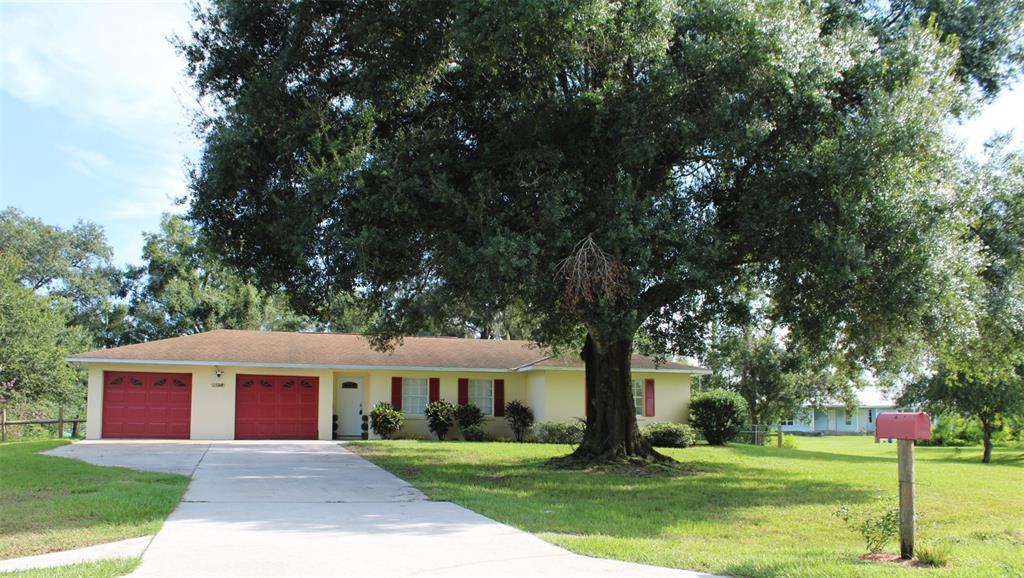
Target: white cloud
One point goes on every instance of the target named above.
(154, 195)
(86, 162)
(109, 63)
(109, 66)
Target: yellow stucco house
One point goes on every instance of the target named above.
(230, 384)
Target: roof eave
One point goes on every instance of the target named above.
(99, 360)
(526, 368)
(684, 370)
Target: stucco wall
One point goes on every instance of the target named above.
(416, 426)
(213, 407)
(552, 394)
(562, 397)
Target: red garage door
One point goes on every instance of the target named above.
(275, 407)
(146, 405)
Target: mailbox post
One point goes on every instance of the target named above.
(905, 427)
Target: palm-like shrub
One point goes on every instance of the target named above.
(520, 419)
(440, 417)
(385, 420)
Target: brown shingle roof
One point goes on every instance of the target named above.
(225, 346)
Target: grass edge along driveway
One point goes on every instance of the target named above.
(51, 504)
(99, 569)
(745, 510)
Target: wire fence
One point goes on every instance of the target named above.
(759, 434)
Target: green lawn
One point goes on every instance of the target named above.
(48, 504)
(745, 511)
(99, 569)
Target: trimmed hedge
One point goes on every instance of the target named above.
(560, 432)
(718, 415)
(669, 435)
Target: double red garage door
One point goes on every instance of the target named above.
(159, 406)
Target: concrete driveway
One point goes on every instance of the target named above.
(317, 509)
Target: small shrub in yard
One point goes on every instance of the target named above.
(788, 441)
(936, 555)
(469, 417)
(668, 435)
(473, 433)
(385, 420)
(560, 432)
(440, 417)
(718, 415)
(520, 419)
(879, 526)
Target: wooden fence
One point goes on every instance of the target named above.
(60, 422)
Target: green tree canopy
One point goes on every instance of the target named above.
(776, 377)
(979, 371)
(35, 337)
(182, 289)
(74, 264)
(620, 169)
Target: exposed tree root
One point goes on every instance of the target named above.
(653, 464)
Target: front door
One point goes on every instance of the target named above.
(349, 405)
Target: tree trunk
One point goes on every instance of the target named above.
(986, 436)
(612, 433)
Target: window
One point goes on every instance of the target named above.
(414, 395)
(638, 396)
(787, 421)
(871, 415)
(481, 394)
(849, 417)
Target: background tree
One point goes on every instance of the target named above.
(774, 377)
(182, 289)
(619, 169)
(979, 371)
(35, 337)
(74, 264)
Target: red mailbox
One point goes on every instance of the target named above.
(913, 425)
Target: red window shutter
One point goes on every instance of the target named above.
(435, 388)
(499, 397)
(463, 391)
(649, 397)
(396, 393)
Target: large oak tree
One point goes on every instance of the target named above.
(617, 169)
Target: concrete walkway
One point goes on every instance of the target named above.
(317, 509)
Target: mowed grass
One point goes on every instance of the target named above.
(745, 510)
(48, 504)
(99, 569)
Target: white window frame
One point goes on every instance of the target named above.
(788, 421)
(871, 415)
(485, 403)
(847, 417)
(639, 398)
(410, 398)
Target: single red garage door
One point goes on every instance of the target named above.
(276, 407)
(147, 405)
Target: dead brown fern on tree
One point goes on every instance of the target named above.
(589, 275)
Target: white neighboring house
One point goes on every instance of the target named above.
(834, 419)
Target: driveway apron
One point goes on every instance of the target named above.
(317, 509)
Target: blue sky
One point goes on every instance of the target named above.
(94, 110)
